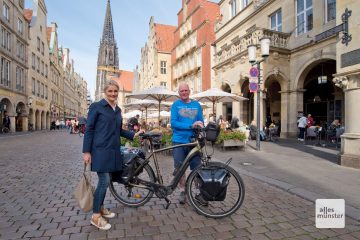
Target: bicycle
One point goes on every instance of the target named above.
(138, 188)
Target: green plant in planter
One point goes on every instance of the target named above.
(230, 135)
(166, 139)
(123, 141)
(134, 143)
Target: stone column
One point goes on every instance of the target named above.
(295, 105)
(25, 122)
(218, 109)
(284, 114)
(350, 140)
(236, 110)
(12, 124)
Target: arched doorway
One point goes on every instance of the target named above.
(322, 99)
(247, 114)
(227, 107)
(272, 101)
(6, 106)
(19, 117)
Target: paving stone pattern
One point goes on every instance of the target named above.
(39, 172)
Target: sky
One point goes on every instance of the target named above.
(80, 24)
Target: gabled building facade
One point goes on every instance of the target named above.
(56, 74)
(155, 62)
(39, 66)
(191, 59)
(14, 36)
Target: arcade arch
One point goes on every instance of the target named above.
(321, 98)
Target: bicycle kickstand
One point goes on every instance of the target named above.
(168, 202)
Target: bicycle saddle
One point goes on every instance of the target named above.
(150, 135)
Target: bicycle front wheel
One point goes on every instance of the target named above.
(216, 209)
(5, 130)
(133, 195)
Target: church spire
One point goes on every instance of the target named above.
(108, 60)
(108, 30)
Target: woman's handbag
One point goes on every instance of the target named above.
(84, 192)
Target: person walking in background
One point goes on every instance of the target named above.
(6, 120)
(57, 124)
(101, 148)
(186, 114)
(310, 120)
(302, 123)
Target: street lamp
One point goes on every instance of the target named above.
(265, 49)
(30, 101)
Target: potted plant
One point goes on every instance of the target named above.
(231, 138)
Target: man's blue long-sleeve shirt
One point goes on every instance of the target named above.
(183, 115)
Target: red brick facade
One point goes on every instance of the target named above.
(203, 16)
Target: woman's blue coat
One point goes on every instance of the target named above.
(102, 137)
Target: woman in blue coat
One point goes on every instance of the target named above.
(101, 147)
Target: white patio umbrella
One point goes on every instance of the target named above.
(216, 95)
(162, 114)
(141, 104)
(131, 114)
(159, 94)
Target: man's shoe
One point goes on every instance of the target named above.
(106, 213)
(200, 199)
(182, 198)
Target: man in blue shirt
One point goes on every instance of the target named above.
(185, 115)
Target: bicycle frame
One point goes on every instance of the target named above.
(180, 172)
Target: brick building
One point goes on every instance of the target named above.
(191, 60)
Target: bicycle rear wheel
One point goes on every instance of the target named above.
(216, 209)
(5, 130)
(134, 196)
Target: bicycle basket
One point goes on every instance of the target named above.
(212, 131)
(213, 182)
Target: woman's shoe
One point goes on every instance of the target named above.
(106, 213)
(100, 223)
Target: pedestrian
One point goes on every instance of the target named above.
(185, 115)
(302, 123)
(6, 120)
(57, 124)
(310, 120)
(101, 148)
(221, 122)
(133, 123)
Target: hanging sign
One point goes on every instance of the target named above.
(254, 72)
(253, 87)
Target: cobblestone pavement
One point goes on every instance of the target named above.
(39, 172)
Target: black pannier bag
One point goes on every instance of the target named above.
(212, 131)
(130, 163)
(213, 182)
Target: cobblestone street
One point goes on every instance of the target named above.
(39, 172)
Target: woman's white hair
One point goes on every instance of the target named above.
(111, 83)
